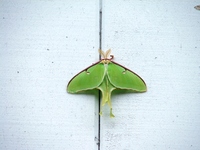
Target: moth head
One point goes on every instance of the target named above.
(106, 54)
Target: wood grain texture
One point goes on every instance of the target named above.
(43, 45)
(160, 41)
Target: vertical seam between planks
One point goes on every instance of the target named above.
(100, 46)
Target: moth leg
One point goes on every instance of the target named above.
(100, 113)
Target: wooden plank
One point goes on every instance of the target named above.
(43, 45)
(160, 41)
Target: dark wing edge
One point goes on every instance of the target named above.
(83, 71)
(132, 72)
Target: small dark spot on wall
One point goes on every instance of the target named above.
(17, 71)
(47, 49)
(197, 7)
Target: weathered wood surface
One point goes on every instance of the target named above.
(161, 42)
(43, 44)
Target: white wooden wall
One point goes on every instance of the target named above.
(43, 44)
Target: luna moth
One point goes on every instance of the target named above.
(106, 76)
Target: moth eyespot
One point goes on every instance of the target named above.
(124, 72)
(87, 72)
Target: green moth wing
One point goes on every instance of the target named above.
(106, 75)
(87, 79)
(123, 78)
